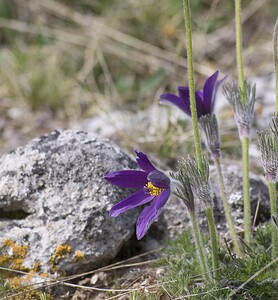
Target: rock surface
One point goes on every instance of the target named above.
(54, 199)
(234, 187)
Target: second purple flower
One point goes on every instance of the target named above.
(205, 98)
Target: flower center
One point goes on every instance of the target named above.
(153, 190)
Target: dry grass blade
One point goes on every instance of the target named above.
(55, 281)
(112, 266)
(94, 25)
(200, 294)
(66, 36)
(228, 30)
(108, 46)
(115, 290)
(52, 282)
(257, 209)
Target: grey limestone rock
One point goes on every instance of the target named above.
(52, 194)
(234, 184)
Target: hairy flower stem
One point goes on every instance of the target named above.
(190, 70)
(214, 243)
(199, 246)
(245, 140)
(273, 209)
(246, 189)
(226, 207)
(239, 47)
(275, 57)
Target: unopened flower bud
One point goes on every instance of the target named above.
(269, 153)
(210, 127)
(200, 180)
(182, 187)
(243, 105)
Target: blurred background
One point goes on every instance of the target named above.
(100, 66)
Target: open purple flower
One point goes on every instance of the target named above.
(205, 98)
(153, 185)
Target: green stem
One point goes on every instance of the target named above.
(245, 140)
(226, 207)
(190, 70)
(246, 189)
(199, 246)
(275, 57)
(239, 48)
(273, 209)
(214, 243)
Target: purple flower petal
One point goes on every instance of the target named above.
(210, 92)
(183, 92)
(143, 162)
(200, 94)
(159, 179)
(127, 178)
(199, 104)
(205, 98)
(151, 213)
(219, 82)
(176, 101)
(217, 85)
(138, 198)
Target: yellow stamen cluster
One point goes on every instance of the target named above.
(153, 190)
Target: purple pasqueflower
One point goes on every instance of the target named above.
(153, 185)
(205, 98)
